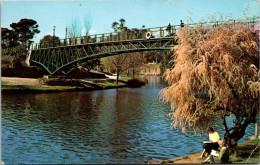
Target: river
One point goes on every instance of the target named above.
(126, 125)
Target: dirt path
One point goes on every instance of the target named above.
(20, 81)
(192, 158)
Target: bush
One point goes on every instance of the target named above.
(136, 82)
(28, 72)
(13, 56)
(60, 82)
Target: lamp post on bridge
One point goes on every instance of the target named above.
(66, 29)
(53, 31)
(53, 35)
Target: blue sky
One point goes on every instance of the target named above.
(102, 13)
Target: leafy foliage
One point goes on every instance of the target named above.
(165, 63)
(16, 41)
(90, 65)
(133, 61)
(215, 75)
(122, 62)
(119, 27)
(49, 38)
(115, 64)
(8, 38)
(25, 29)
(13, 56)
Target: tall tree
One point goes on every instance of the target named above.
(25, 30)
(119, 27)
(122, 23)
(215, 77)
(133, 61)
(16, 40)
(5, 37)
(79, 26)
(115, 63)
(87, 24)
(115, 25)
(48, 40)
(74, 29)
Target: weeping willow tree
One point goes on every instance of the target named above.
(216, 75)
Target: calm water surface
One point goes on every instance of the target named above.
(127, 125)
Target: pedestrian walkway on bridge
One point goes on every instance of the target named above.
(62, 56)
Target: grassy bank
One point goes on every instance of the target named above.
(10, 88)
(63, 85)
(244, 152)
(248, 152)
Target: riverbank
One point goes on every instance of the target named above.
(16, 84)
(248, 152)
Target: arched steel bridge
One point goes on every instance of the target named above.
(61, 57)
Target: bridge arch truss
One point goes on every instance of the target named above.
(63, 59)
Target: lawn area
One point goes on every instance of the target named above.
(58, 84)
(109, 84)
(37, 88)
(244, 152)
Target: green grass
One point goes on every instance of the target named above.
(108, 84)
(3, 83)
(61, 85)
(38, 88)
(95, 72)
(56, 88)
(243, 152)
(125, 78)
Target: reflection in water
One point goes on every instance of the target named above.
(127, 125)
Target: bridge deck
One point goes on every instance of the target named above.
(63, 55)
(106, 42)
(133, 34)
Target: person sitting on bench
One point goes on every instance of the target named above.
(219, 157)
(212, 143)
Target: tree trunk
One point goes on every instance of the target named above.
(117, 77)
(256, 130)
(231, 138)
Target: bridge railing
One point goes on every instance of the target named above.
(132, 34)
(135, 34)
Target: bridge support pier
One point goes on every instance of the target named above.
(27, 60)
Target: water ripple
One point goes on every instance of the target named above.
(111, 126)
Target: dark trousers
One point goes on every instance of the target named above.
(210, 146)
